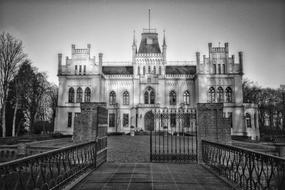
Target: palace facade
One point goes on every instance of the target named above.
(133, 89)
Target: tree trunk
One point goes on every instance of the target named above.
(4, 118)
(14, 118)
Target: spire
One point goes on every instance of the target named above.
(134, 39)
(164, 42)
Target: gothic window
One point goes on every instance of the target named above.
(224, 68)
(69, 119)
(112, 98)
(214, 68)
(79, 93)
(75, 69)
(139, 70)
(211, 95)
(220, 94)
(126, 98)
(248, 120)
(172, 120)
(172, 98)
(87, 95)
(229, 94)
(148, 69)
(149, 96)
(230, 116)
(71, 95)
(159, 70)
(186, 97)
(154, 70)
(125, 120)
(84, 69)
(80, 69)
(219, 68)
(144, 70)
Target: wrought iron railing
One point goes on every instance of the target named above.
(246, 168)
(52, 169)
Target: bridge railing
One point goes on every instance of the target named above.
(246, 168)
(52, 169)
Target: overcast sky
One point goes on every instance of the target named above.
(256, 27)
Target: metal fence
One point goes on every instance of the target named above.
(52, 169)
(174, 136)
(246, 168)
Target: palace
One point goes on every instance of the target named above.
(132, 89)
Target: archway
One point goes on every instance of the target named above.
(149, 121)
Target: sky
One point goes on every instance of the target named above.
(256, 27)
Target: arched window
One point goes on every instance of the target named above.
(126, 98)
(144, 70)
(220, 94)
(87, 95)
(159, 70)
(211, 95)
(148, 69)
(248, 120)
(79, 93)
(186, 97)
(229, 94)
(71, 95)
(149, 96)
(154, 70)
(172, 98)
(112, 98)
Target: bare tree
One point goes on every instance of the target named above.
(11, 54)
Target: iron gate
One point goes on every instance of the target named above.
(174, 137)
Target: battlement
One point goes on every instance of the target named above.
(85, 51)
(218, 49)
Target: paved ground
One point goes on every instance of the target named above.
(151, 176)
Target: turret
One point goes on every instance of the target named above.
(240, 56)
(89, 47)
(72, 49)
(134, 48)
(198, 61)
(164, 46)
(210, 47)
(100, 62)
(59, 64)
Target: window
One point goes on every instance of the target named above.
(75, 69)
(80, 69)
(248, 120)
(229, 94)
(125, 120)
(214, 68)
(148, 80)
(172, 120)
(84, 69)
(79, 95)
(126, 98)
(211, 95)
(87, 95)
(255, 122)
(219, 68)
(172, 98)
(186, 97)
(71, 95)
(144, 70)
(139, 72)
(159, 70)
(224, 68)
(148, 69)
(230, 116)
(154, 70)
(111, 120)
(149, 96)
(69, 119)
(112, 98)
(220, 94)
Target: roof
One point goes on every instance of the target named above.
(117, 70)
(176, 70)
(149, 43)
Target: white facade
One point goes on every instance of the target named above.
(132, 89)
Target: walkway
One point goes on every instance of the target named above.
(151, 176)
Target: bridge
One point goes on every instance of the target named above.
(169, 163)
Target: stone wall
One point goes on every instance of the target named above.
(93, 116)
(212, 126)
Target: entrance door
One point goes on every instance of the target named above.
(174, 139)
(149, 121)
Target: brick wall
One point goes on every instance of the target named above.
(212, 126)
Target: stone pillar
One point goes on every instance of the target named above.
(212, 126)
(86, 124)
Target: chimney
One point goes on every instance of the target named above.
(240, 56)
(198, 61)
(100, 62)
